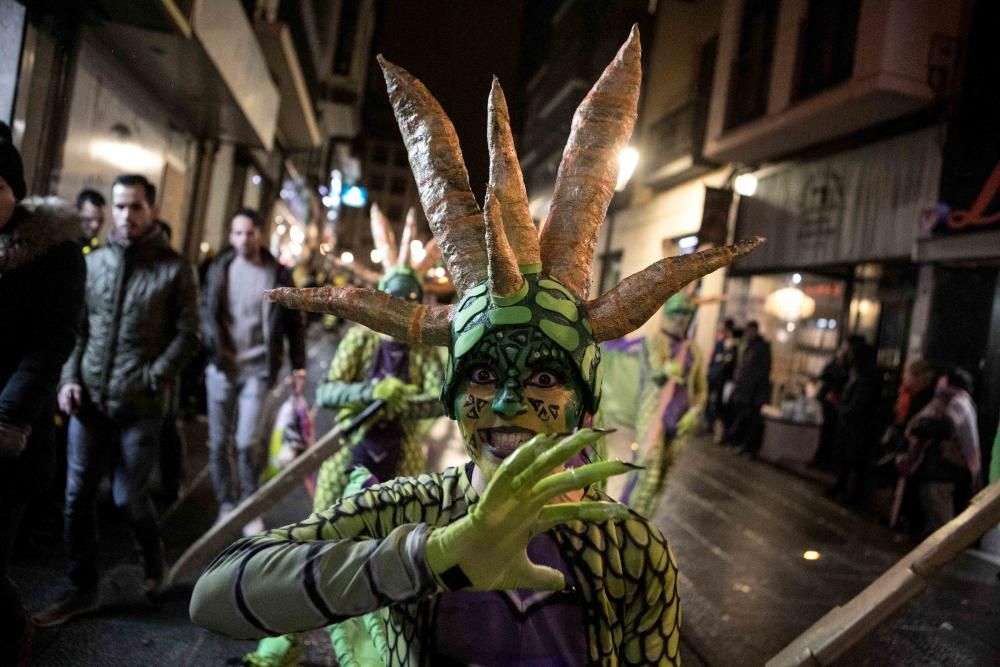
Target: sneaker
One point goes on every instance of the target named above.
(74, 602)
(281, 651)
(254, 527)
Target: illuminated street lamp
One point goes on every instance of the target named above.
(745, 185)
(628, 158)
(347, 257)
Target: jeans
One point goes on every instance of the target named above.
(133, 448)
(234, 408)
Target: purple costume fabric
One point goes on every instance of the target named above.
(382, 444)
(520, 628)
(680, 402)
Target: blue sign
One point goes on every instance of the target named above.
(354, 196)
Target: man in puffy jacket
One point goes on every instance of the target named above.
(140, 327)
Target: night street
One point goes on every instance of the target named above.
(738, 528)
(671, 327)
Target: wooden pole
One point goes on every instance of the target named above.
(228, 530)
(843, 627)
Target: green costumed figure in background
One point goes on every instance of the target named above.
(515, 557)
(368, 366)
(669, 406)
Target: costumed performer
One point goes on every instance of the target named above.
(510, 559)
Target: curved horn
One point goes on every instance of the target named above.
(409, 230)
(405, 321)
(436, 161)
(626, 307)
(508, 182)
(585, 183)
(505, 277)
(383, 237)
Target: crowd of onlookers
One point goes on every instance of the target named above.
(928, 454)
(103, 328)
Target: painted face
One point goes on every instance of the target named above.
(7, 202)
(132, 214)
(514, 383)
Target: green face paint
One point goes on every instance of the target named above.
(542, 306)
(515, 383)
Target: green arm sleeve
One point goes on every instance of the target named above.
(342, 388)
(338, 564)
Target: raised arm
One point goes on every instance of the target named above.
(361, 554)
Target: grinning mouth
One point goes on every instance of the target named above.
(502, 442)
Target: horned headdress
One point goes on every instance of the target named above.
(507, 275)
(401, 278)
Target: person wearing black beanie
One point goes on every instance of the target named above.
(41, 296)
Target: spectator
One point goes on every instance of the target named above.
(42, 288)
(751, 390)
(832, 380)
(141, 326)
(244, 338)
(90, 205)
(720, 371)
(943, 447)
(857, 423)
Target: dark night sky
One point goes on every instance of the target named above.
(455, 47)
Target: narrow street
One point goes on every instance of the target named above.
(738, 528)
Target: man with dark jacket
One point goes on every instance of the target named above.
(41, 292)
(245, 340)
(140, 327)
(751, 390)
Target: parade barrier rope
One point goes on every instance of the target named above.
(843, 627)
(224, 533)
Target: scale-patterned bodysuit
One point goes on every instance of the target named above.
(350, 374)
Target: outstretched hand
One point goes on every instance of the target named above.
(487, 548)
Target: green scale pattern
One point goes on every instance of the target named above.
(542, 303)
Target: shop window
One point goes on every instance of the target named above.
(750, 72)
(826, 46)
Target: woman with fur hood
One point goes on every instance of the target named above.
(41, 295)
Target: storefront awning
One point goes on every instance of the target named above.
(970, 247)
(297, 126)
(212, 79)
(859, 205)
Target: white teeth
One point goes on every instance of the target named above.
(509, 440)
